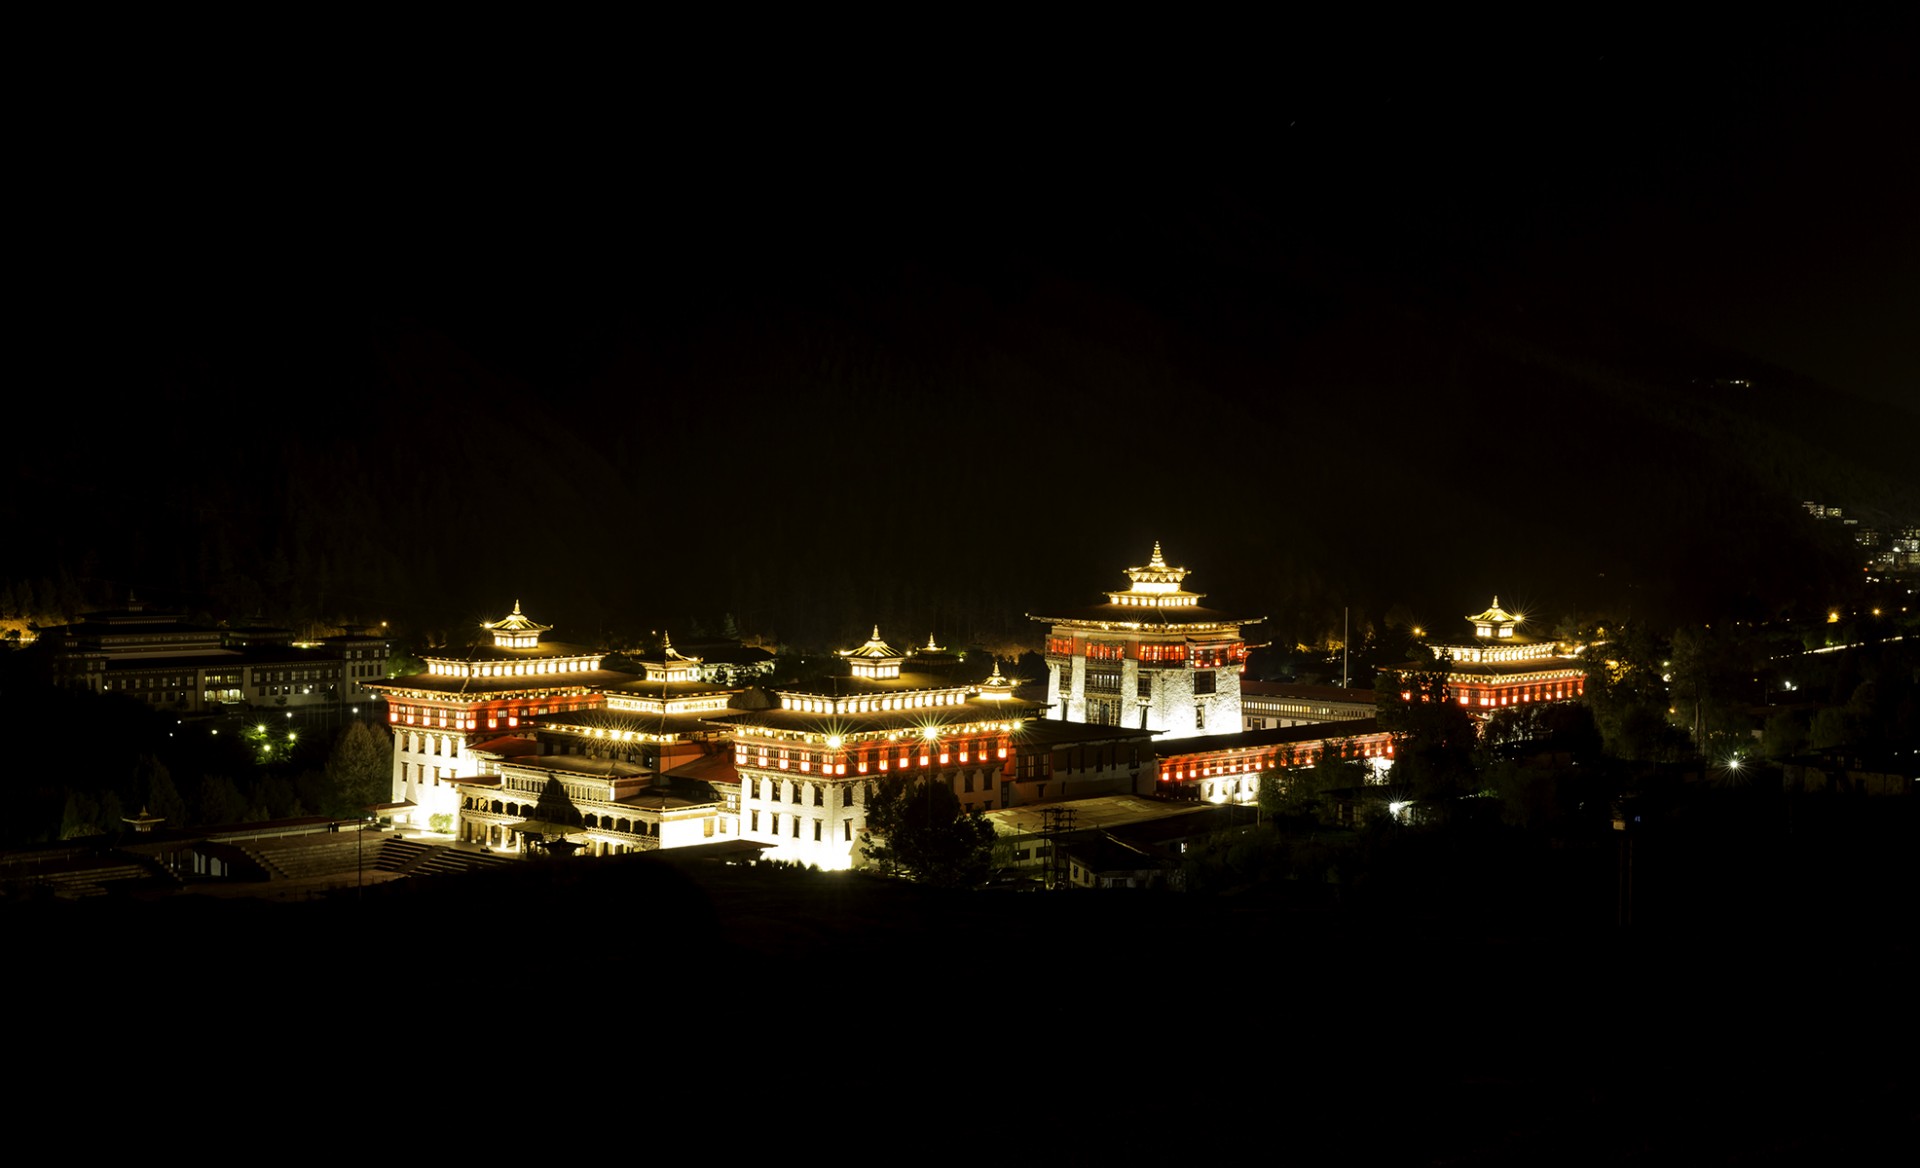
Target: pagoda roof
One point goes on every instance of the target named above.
(716, 767)
(515, 622)
(1171, 618)
(1495, 615)
(668, 657)
(623, 721)
(1052, 733)
(883, 722)
(580, 764)
(730, 653)
(476, 688)
(542, 651)
(506, 746)
(875, 649)
(1552, 664)
(641, 687)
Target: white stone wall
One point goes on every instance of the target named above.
(833, 851)
(1067, 688)
(416, 752)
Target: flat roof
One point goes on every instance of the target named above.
(1310, 693)
(1101, 812)
(1273, 736)
(1054, 732)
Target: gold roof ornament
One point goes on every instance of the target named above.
(874, 649)
(996, 688)
(515, 630)
(875, 659)
(515, 622)
(1156, 584)
(1495, 622)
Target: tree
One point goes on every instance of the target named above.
(1296, 795)
(918, 829)
(1433, 738)
(220, 801)
(158, 795)
(359, 772)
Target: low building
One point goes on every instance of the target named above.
(1226, 768)
(169, 663)
(1266, 704)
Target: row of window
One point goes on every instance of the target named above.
(442, 743)
(769, 790)
(846, 826)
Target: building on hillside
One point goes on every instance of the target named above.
(642, 771)
(365, 653)
(806, 761)
(476, 695)
(1150, 658)
(1225, 768)
(171, 664)
(1266, 704)
(1499, 666)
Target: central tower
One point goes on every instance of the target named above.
(1151, 658)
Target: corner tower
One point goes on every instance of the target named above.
(1151, 658)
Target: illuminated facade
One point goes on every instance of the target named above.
(1150, 658)
(458, 702)
(1267, 704)
(1226, 768)
(162, 660)
(643, 771)
(1500, 666)
(804, 764)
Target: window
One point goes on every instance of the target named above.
(796, 827)
(816, 831)
(1203, 682)
(969, 782)
(846, 796)
(848, 825)
(1199, 717)
(796, 792)
(986, 780)
(1143, 686)
(776, 823)
(755, 825)
(819, 795)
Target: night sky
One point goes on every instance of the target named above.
(1322, 311)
